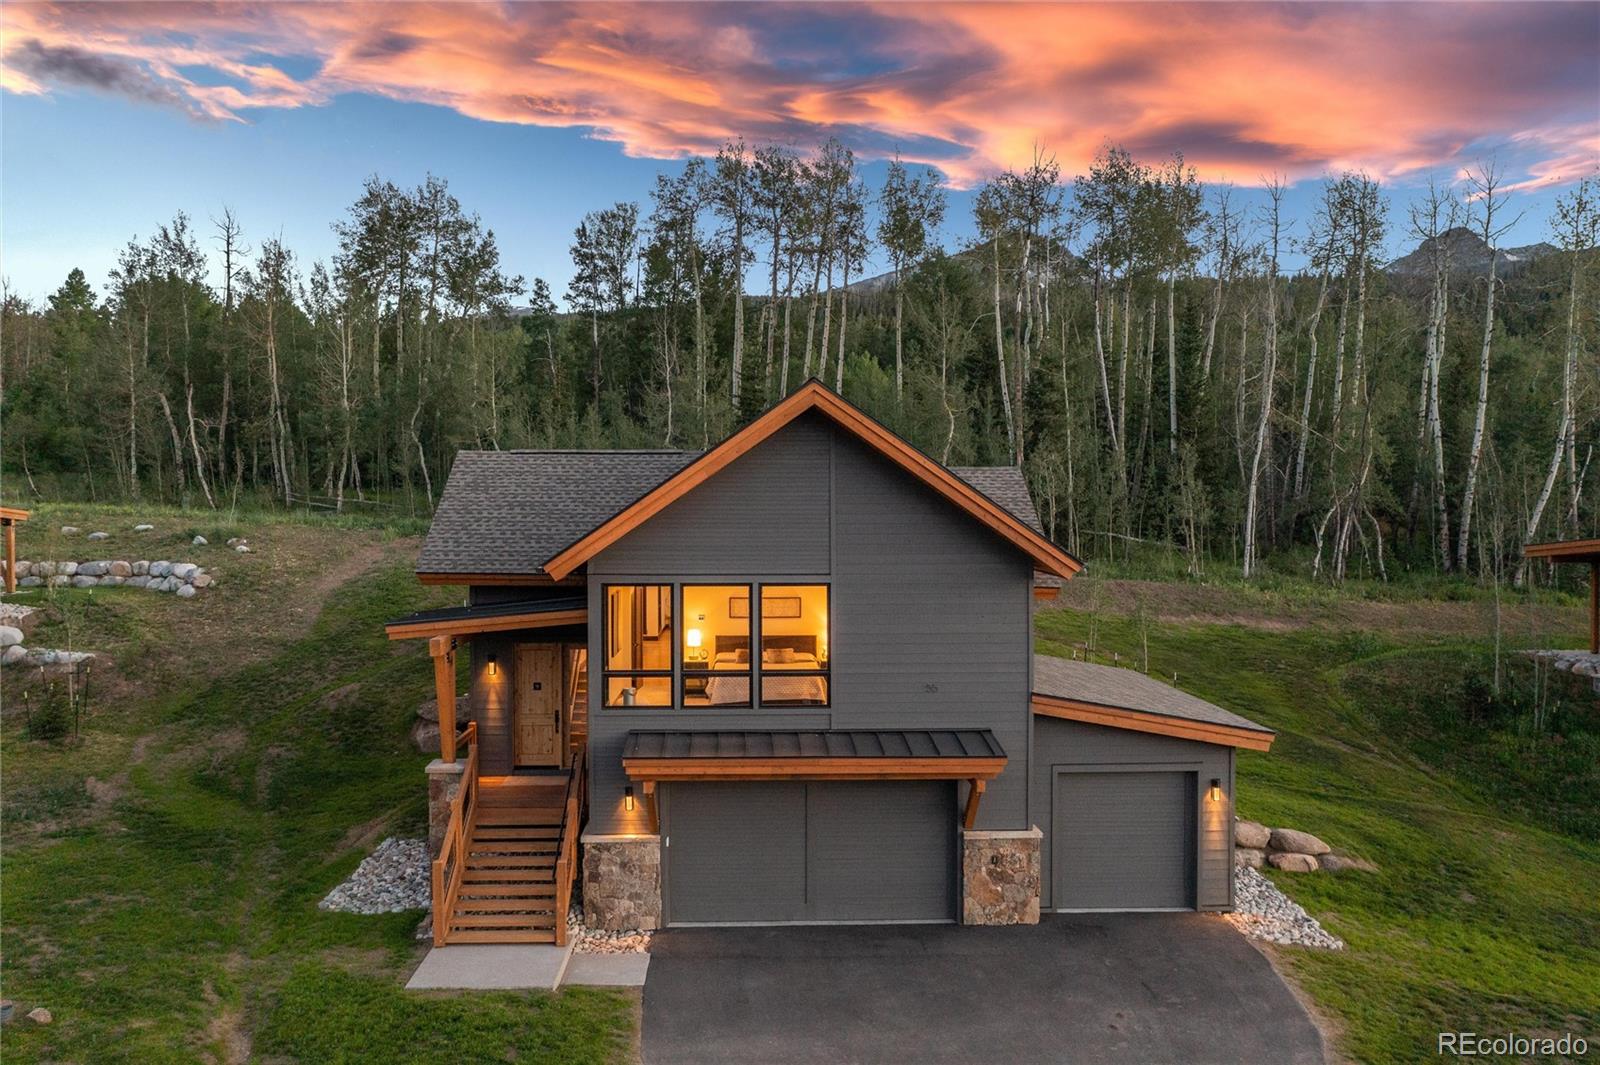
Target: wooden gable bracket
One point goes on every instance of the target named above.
(969, 819)
(649, 789)
(443, 650)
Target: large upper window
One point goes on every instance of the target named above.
(716, 645)
(638, 645)
(794, 645)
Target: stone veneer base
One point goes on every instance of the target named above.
(444, 781)
(622, 882)
(1000, 877)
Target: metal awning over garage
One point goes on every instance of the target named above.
(652, 757)
(490, 617)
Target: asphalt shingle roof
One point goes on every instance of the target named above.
(512, 511)
(475, 612)
(1127, 689)
(831, 743)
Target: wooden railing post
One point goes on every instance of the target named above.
(442, 648)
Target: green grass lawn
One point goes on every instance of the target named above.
(166, 910)
(1479, 919)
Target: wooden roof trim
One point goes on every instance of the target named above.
(414, 630)
(817, 768)
(1564, 550)
(816, 396)
(14, 514)
(1158, 724)
(509, 579)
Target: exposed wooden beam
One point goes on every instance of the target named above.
(1047, 591)
(413, 630)
(10, 514)
(1159, 724)
(442, 648)
(1564, 550)
(815, 396)
(969, 820)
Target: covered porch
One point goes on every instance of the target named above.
(1577, 553)
(506, 794)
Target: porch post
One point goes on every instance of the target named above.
(1594, 606)
(442, 648)
(11, 555)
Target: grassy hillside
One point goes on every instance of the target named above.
(249, 746)
(161, 873)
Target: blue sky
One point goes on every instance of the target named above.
(115, 117)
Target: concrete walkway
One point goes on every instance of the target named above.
(1135, 988)
(492, 967)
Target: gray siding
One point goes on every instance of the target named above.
(931, 612)
(1075, 745)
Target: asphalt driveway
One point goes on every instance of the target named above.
(1145, 988)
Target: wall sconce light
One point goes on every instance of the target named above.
(1216, 789)
(494, 666)
(627, 794)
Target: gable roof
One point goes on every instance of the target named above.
(1126, 698)
(506, 513)
(814, 396)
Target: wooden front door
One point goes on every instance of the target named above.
(538, 704)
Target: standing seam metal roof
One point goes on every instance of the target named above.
(840, 743)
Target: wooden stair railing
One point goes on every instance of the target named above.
(578, 702)
(567, 860)
(449, 868)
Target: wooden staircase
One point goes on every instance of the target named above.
(508, 891)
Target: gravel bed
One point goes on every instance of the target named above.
(393, 878)
(10, 612)
(1263, 912)
(596, 941)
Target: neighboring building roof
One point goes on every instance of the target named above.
(1126, 698)
(491, 617)
(830, 744)
(1565, 551)
(814, 396)
(511, 512)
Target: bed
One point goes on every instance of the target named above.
(782, 656)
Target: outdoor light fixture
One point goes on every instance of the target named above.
(1216, 789)
(494, 666)
(627, 793)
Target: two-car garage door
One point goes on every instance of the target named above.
(808, 851)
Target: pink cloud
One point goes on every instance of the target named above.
(1243, 90)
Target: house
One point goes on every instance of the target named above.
(787, 680)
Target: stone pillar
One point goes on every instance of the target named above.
(444, 781)
(622, 882)
(1000, 876)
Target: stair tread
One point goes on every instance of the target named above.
(517, 904)
(496, 920)
(510, 935)
(513, 846)
(510, 832)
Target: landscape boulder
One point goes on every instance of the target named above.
(69, 530)
(66, 569)
(85, 582)
(161, 568)
(30, 582)
(42, 569)
(60, 580)
(202, 580)
(142, 580)
(99, 536)
(120, 569)
(40, 1015)
(9, 635)
(1251, 856)
(93, 569)
(243, 549)
(141, 568)
(235, 541)
(1251, 834)
(24, 568)
(199, 541)
(1292, 863)
(1292, 841)
(183, 570)
(185, 591)
(15, 653)
(425, 736)
(143, 527)
(1340, 863)
(111, 580)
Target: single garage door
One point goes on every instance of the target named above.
(1122, 841)
(809, 851)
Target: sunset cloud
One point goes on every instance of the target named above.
(1244, 91)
